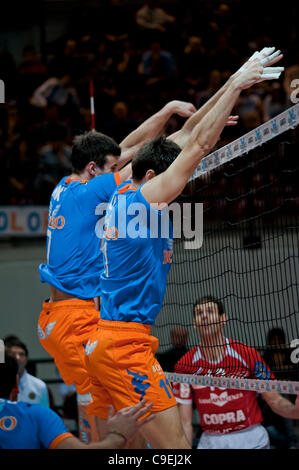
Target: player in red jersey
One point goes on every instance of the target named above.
(230, 419)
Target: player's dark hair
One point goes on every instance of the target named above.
(8, 374)
(209, 298)
(157, 154)
(92, 146)
(11, 341)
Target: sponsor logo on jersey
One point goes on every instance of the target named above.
(261, 371)
(222, 418)
(219, 400)
(8, 423)
(138, 383)
(45, 335)
(90, 347)
(56, 222)
(110, 233)
(57, 192)
(167, 257)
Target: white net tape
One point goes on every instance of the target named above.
(289, 119)
(255, 385)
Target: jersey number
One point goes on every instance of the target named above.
(166, 385)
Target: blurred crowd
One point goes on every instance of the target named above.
(139, 55)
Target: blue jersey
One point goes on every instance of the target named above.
(137, 253)
(25, 426)
(74, 260)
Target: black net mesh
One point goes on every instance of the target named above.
(248, 259)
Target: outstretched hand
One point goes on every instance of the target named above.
(267, 57)
(125, 421)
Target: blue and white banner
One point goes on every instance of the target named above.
(17, 221)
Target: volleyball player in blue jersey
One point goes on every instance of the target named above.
(26, 426)
(120, 355)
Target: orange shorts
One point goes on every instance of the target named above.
(64, 328)
(120, 359)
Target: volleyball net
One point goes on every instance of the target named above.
(249, 255)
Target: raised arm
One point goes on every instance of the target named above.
(268, 55)
(165, 187)
(151, 128)
(282, 406)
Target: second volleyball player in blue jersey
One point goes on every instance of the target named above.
(120, 354)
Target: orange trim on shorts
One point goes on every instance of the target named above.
(59, 439)
(117, 178)
(125, 325)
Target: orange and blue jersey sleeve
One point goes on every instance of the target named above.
(51, 428)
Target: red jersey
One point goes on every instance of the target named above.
(223, 410)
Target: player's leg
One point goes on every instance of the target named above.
(63, 329)
(166, 431)
(122, 364)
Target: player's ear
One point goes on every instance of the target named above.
(149, 175)
(223, 319)
(91, 168)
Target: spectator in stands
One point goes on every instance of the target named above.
(120, 125)
(193, 63)
(157, 65)
(21, 166)
(169, 358)
(151, 17)
(213, 86)
(57, 90)
(54, 163)
(68, 61)
(12, 130)
(31, 389)
(126, 64)
(32, 72)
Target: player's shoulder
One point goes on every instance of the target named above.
(241, 348)
(186, 362)
(18, 408)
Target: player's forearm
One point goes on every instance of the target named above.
(181, 137)
(150, 128)
(203, 138)
(281, 406)
(168, 185)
